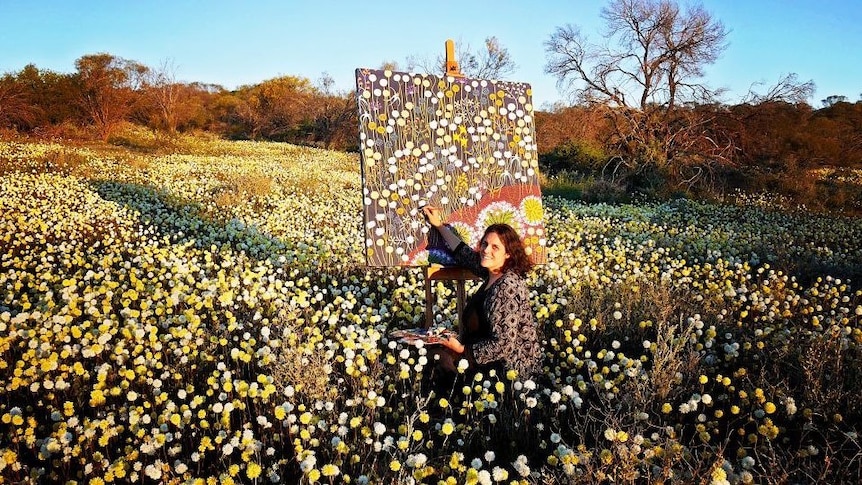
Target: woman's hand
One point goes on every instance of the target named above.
(434, 215)
(454, 345)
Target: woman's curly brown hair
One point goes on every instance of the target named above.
(518, 260)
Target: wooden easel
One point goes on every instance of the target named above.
(445, 273)
(452, 68)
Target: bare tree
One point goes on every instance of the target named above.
(334, 114)
(646, 75)
(492, 62)
(169, 99)
(788, 89)
(388, 65)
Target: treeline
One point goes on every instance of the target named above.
(691, 145)
(106, 91)
(767, 136)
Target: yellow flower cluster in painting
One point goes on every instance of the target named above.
(207, 317)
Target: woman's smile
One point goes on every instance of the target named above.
(493, 252)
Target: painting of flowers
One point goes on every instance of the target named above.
(465, 145)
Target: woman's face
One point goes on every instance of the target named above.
(493, 252)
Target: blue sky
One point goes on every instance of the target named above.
(235, 43)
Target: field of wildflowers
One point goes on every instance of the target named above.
(206, 316)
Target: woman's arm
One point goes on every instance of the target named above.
(434, 215)
(463, 254)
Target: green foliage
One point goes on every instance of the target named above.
(572, 155)
(568, 185)
(578, 186)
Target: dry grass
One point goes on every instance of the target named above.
(300, 368)
(242, 188)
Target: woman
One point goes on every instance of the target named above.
(498, 326)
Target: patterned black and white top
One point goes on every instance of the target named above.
(506, 330)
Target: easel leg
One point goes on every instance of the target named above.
(429, 311)
(459, 276)
(459, 285)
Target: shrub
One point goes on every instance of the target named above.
(577, 186)
(572, 155)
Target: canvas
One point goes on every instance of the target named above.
(466, 145)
